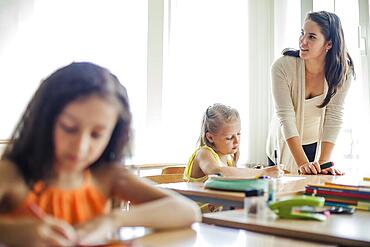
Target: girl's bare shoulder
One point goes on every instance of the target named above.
(9, 172)
(204, 154)
(12, 183)
(110, 173)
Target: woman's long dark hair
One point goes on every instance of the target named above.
(32, 147)
(338, 62)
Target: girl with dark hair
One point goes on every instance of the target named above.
(63, 165)
(309, 86)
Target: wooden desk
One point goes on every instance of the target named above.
(351, 230)
(287, 185)
(197, 192)
(206, 235)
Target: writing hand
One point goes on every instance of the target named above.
(46, 230)
(96, 230)
(273, 171)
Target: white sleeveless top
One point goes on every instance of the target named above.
(312, 117)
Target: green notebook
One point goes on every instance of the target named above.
(235, 183)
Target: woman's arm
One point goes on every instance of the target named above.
(334, 113)
(281, 73)
(332, 124)
(326, 151)
(297, 151)
(281, 86)
(304, 166)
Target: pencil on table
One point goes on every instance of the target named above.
(275, 156)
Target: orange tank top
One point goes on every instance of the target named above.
(74, 206)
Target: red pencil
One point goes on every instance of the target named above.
(36, 211)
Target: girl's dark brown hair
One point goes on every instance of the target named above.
(32, 147)
(338, 62)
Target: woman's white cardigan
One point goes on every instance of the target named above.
(288, 90)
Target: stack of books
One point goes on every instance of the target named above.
(343, 192)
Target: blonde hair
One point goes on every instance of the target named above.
(215, 116)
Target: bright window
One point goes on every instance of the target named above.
(351, 151)
(43, 35)
(206, 62)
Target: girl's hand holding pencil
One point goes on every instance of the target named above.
(273, 171)
(48, 231)
(100, 231)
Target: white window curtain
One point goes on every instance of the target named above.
(287, 26)
(261, 49)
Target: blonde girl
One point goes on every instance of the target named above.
(218, 150)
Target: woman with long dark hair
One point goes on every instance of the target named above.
(309, 86)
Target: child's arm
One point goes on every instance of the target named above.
(164, 213)
(36, 232)
(273, 171)
(41, 230)
(139, 191)
(150, 207)
(207, 162)
(209, 165)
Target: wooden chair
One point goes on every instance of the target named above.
(166, 178)
(150, 166)
(173, 169)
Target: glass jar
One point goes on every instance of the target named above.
(272, 190)
(254, 202)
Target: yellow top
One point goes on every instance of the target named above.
(189, 166)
